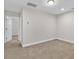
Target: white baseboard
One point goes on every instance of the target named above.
(26, 45)
(70, 41)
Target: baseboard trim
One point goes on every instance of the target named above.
(70, 41)
(34, 43)
(26, 45)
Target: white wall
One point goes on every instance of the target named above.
(37, 26)
(65, 26)
(42, 26)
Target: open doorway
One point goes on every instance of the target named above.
(8, 29)
(11, 26)
(15, 28)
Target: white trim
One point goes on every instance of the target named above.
(70, 41)
(26, 45)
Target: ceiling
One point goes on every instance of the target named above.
(17, 5)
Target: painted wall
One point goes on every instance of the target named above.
(65, 26)
(38, 26)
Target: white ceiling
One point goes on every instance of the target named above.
(17, 5)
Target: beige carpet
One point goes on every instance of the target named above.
(54, 49)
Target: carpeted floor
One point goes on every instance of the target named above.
(54, 49)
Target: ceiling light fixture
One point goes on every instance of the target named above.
(50, 2)
(62, 9)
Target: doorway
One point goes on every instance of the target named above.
(8, 29)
